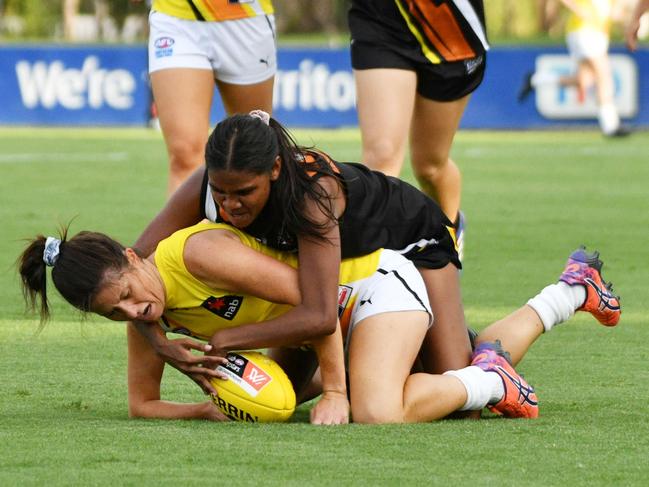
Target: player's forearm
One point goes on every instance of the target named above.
(295, 327)
(641, 7)
(159, 409)
(152, 332)
(331, 358)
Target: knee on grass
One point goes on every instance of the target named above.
(373, 412)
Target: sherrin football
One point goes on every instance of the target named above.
(257, 389)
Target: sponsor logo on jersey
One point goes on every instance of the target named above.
(344, 294)
(224, 306)
(164, 47)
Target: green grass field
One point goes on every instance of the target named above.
(530, 199)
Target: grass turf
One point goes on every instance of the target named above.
(530, 198)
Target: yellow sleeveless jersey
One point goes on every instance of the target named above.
(196, 309)
(599, 18)
(213, 10)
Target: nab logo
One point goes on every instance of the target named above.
(223, 306)
(256, 377)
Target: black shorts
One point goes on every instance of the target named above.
(437, 255)
(381, 46)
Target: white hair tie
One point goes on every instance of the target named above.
(261, 115)
(52, 251)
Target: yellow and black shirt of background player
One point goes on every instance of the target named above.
(446, 31)
(213, 10)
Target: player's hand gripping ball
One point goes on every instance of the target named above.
(257, 391)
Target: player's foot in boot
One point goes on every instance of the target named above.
(519, 399)
(584, 268)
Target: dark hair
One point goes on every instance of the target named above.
(77, 274)
(246, 143)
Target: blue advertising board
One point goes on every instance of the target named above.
(55, 85)
(88, 85)
(494, 104)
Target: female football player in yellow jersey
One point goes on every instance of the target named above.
(194, 44)
(211, 277)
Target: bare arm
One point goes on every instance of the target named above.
(632, 27)
(220, 260)
(316, 314)
(182, 210)
(178, 354)
(313, 319)
(144, 375)
(333, 406)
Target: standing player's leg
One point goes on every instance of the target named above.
(245, 98)
(584, 79)
(433, 127)
(385, 102)
(183, 98)
(608, 116)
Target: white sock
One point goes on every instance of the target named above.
(557, 302)
(542, 78)
(609, 120)
(482, 387)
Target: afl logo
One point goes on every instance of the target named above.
(164, 42)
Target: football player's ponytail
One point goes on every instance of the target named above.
(79, 266)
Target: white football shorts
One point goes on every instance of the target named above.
(587, 44)
(241, 52)
(397, 285)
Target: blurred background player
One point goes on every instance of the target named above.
(587, 38)
(195, 44)
(633, 25)
(416, 63)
